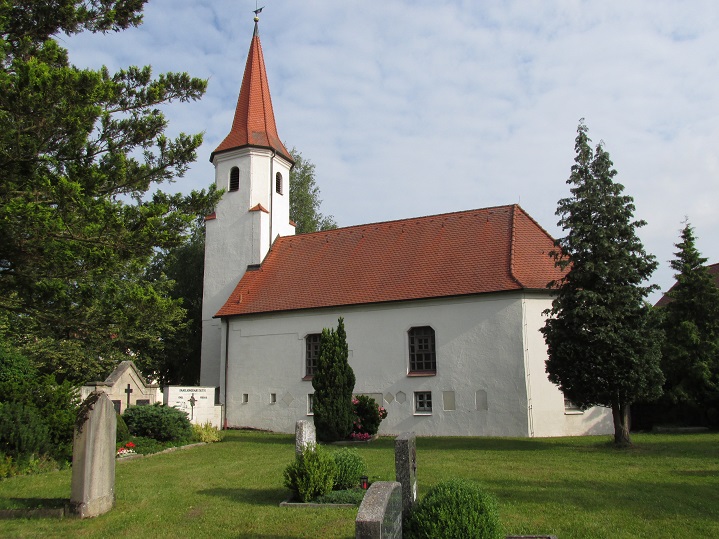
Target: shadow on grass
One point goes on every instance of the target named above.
(647, 500)
(33, 503)
(251, 496)
(243, 436)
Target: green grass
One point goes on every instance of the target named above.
(666, 486)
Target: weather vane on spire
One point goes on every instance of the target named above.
(257, 11)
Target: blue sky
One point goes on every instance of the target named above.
(411, 108)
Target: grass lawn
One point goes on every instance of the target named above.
(666, 486)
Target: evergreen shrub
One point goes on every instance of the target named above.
(350, 467)
(23, 431)
(456, 508)
(333, 382)
(312, 473)
(55, 403)
(122, 432)
(162, 423)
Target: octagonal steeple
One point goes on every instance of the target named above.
(254, 123)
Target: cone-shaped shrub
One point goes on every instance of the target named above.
(333, 383)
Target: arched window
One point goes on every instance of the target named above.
(278, 183)
(234, 179)
(422, 356)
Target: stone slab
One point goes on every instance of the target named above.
(405, 462)
(380, 514)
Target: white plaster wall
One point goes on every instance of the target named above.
(479, 349)
(547, 415)
(238, 237)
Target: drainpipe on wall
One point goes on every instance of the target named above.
(226, 323)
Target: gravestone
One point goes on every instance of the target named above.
(93, 457)
(380, 514)
(405, 465)
(305, 434)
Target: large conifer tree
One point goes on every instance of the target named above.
(333, 382)
(690, 354)
(81, 151)
(602, 348)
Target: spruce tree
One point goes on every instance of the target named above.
(602, 347)
(333, 383)
(690, 354)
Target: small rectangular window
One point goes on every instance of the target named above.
(245, 398)
(571, 408)
(423, 402)
(311, 404)
(273, 398)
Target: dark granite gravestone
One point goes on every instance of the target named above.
(405, 463)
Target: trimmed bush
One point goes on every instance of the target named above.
(350, 467)
(456, 508)
(162, 423)
(122, 432)
(312, 474)
(23, 431)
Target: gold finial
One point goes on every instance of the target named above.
(257, 12)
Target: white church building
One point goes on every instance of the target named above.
(442, 313)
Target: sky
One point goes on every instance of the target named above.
(413, 108)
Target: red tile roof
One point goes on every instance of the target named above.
(254, 123)
(665, 299)
(454, 254)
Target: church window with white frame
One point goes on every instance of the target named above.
(423, 402)
(422, 355)
(278, 183)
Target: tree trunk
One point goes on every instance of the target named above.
(620, 414)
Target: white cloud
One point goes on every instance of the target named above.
(413, 108)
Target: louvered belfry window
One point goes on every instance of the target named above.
(234, 179)
(278, 183)
(422, 356)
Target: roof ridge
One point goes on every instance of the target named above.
(402, 220)
(512, 245)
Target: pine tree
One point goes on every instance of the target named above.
(690, 353)
(333, 383)
(602, 347)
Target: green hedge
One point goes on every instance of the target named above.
(162, 423)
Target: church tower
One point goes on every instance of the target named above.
(253, 167)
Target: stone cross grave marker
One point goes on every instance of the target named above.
(305, 434)
(129, 391)
(93, 457)
(380, 514)
(405, 464)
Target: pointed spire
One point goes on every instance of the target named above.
(254, 122)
